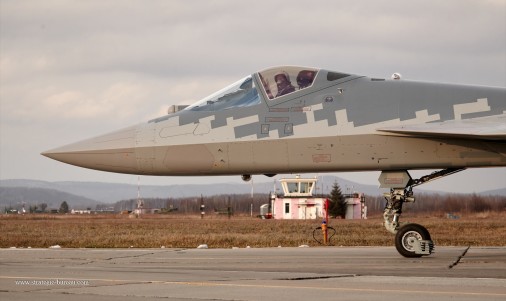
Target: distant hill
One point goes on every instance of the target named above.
(501, 191)
(88, 194)
(17, 196)
(112, 192)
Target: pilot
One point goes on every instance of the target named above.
(305, 78)
(284, 85)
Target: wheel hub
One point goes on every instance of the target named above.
(409, 239)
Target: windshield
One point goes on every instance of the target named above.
(242, 93)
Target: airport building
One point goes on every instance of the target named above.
(299, 202)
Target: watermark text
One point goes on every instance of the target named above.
(51, 282)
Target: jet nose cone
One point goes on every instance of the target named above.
(111, 152)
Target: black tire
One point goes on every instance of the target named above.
(406, 233)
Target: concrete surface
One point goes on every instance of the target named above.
(326, 273)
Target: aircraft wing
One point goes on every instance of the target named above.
(487, 128)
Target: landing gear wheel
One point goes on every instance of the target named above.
(413, 240)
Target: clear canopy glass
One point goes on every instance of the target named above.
(242, 93)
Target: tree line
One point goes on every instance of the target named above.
(451, 202)
(236, 203)
(37, 208)
(244, 203)
(247, 204)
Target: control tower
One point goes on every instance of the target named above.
(297, 200)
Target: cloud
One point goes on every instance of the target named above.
(167, 39)
(118, 101)
(94, 66)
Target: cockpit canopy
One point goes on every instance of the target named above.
(275, 82)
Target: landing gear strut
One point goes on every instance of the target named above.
(411, 240)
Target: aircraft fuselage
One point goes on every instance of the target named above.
(334, 124)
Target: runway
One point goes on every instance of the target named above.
(325, 273)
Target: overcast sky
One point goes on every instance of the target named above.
(71, 70)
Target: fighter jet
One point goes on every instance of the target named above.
(292, 119)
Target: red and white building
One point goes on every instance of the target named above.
(298, 202)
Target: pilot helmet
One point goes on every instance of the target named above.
(305, 78)
(278, 78)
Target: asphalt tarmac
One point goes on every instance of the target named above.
(324, 273)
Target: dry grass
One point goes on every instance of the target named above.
(154, 231)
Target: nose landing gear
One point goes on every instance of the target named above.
(411, 240)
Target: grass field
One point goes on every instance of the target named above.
(179, 231)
